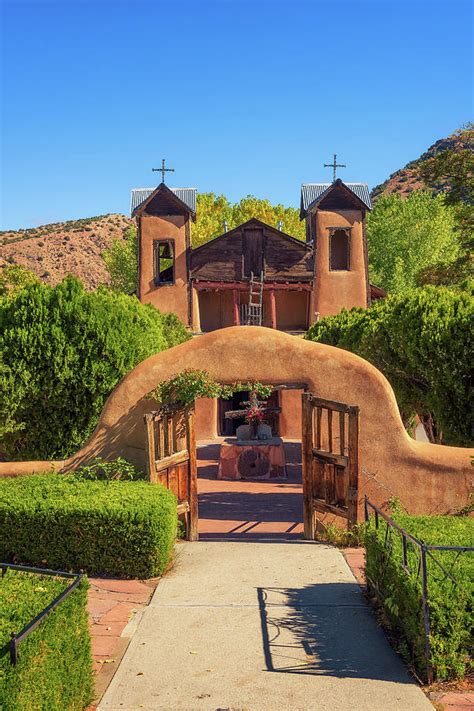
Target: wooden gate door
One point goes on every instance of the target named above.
(171, 458)
(330, 444)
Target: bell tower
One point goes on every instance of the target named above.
(163, 217)
(335, 216)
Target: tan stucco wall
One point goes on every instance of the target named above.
(216, 310)
(291, 310)
(166, 298)
(335, 290)
(426, 477)
(290, 416)
(206, 418)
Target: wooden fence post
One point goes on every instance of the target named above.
(353, 452)
(192, 532)
(307, 460)
(150, 445)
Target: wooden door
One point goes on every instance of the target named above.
(330, 444)
(171, 458)
(252, 249)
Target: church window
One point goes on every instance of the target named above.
(164, 262)
(339, 250)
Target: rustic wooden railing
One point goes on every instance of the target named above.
(330, 444)
(171, 458)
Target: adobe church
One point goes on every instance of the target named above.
(255, 273)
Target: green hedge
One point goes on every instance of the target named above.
(118, 528)
(54, 669)
(399, 593)
(63, 351)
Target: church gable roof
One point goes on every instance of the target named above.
(283, 257)
(186, 196)
(313, 193)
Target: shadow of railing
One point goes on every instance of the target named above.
(325, 629)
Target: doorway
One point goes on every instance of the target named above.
(227, 427)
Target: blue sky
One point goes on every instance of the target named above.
(241, 96)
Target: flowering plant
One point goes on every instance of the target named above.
(254, 414)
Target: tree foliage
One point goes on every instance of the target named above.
(422, 342)
(212, 210)
(121, 262)
(407, 236)
(15, 277)
(456, 168)
(64, 350)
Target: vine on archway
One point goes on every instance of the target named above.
(188, 385)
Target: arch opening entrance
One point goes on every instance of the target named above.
(321, 476)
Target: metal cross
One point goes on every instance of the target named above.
(334, 165)
(162, 170)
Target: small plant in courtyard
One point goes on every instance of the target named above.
(100, 469)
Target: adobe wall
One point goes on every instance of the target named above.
(427, 478)
(172, 297)
(335, 290)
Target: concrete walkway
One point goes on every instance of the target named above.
(260, 626)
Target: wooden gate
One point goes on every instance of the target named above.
(330, 444)
(171, 458)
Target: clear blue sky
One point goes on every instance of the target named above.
(240, 96)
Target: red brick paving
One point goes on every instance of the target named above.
(249, 510)
(111, 604)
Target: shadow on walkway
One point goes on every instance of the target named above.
(324, 629)
(249, 510)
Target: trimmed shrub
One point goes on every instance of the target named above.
(422, 342)
(64, 351)
(399, 592)
(54, 669)
(118, 528)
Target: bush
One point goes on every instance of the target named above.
(118, 528)
(400, 593)
(422, 343)
(64, 350)
(101, 470)
(54, 669)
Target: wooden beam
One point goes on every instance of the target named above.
(235, 304)
(245, 285)
(324, 507)
(172, 460)
(273, 308)
(192, 533)
(307, 450)
(330, 457)
(353, 465)
(329, 404)
(150, 445)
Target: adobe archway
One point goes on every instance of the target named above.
(426, 477)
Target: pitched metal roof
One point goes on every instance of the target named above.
(312, 191)
(187, 195)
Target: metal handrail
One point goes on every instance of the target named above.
(425, 551)
(17, 637)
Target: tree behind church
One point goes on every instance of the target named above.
(408, 235)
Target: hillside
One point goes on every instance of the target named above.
(407, 179)
(73, 247)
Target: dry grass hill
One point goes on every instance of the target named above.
(407, 179)
(73, 247)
